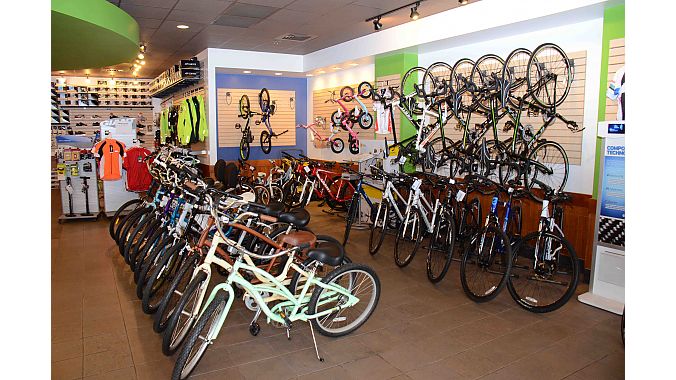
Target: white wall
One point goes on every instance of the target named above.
(582, 36)
(356, 74)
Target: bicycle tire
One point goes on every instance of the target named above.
(136, 238)
(351, 216)
(484, 75)
(266, 142)
(150, 244)
(264, 100)
(244, 149)
(170, 346)
(460, 75)
(151, 262)
(558, 178)
(365, 90)
(490, 261)
(365, 120)
(211, 315)
(515, 76)
(244, 107)
(444, 229)
(177, 287)
(337, 145)
(376, 239)
(151, 290)
(347, 93)
(130, 224)
(414, 219)
(371, 306)
(162, 240)
(538, 62)
(117, 217)
(408, 81)
(524, 260)
(439, 73)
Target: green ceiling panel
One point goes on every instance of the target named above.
(91, 34)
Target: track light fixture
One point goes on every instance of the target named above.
(463, 2)
(414, 13)
(377, 25)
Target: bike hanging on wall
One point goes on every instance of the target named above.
(267, 110)
(346, 118)
(337, 144)
(247, 137)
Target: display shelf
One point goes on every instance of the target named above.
(174, 87)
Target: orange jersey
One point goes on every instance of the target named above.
(111, 152)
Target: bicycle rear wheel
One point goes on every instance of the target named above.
(515, 75)
(244, 107)
(183, 318)
(486, 74)
(414, 76)
(264, 100)
(117, 217)
(461, 80)
(439, 73)
(352, 216)
(486, 264)
(545, 272)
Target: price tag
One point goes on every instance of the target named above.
(460, 195)
(545, 209)
(416, 185)
(164, 201)
(402, 160)
(306, 168)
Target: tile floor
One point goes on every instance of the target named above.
(419, 330)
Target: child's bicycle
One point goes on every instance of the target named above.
(346, 118)
(337, 144)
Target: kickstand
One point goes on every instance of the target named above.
(312, 330)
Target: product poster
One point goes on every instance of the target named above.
(611, 220)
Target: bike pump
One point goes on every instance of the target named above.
(69, 189)
(85, 190)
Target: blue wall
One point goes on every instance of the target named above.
(257, 82)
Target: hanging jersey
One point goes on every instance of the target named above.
(110, 152)
(138, 176)
(616, 92)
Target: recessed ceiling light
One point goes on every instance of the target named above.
(322, 71)
(308, 75)
(278, 73)
(463, 2)
(143, 62)
(182, 26)
(62, 72)
(246, 72)
(354, 64)
(336, 68)
(141, 56)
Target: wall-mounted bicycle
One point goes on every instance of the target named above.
(267, 110)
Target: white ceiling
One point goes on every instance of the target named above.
(253, 25)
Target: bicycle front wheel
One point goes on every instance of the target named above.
(360, 281)
(408, 239)
(352, 216)
(548, 163)
(379, 223)
(440, 250)
(183, 318)
(200, 337)
(545, 272)
(486, 264)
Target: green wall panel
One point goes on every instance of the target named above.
(613, 28)
(398, 63)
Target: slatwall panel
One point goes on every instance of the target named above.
(228, 115)
(322, 108)
(572, 109)
(615, 62)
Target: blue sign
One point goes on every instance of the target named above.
(612, 186)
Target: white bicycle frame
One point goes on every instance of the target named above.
(417, 200)
(388, 194)
(547, 223)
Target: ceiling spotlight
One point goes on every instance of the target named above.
(354, 64)
(336, 68)
(182, 26)
(463, 2)
(247, 71)
(141, 56)
(414, 13)
(278, 73)
(62, 72)
(143, 62)
(308, 75)
(377, 25)
(136, 65)
(142, 48)
(322, 72)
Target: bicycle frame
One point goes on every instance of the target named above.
(313, 181)
(389, 196)
(417, 200)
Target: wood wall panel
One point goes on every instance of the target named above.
(228, 115)
(324, 108)
(615, 62)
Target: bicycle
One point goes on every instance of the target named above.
(389, 212)
(346, 118)
(337, 144)
(267, 110)
(545, 273)
(326, 304)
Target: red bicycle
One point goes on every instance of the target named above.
(314, 180)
